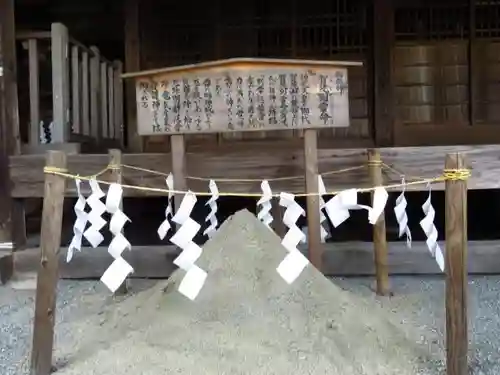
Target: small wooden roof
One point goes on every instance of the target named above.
(242, 62)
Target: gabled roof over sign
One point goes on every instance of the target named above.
(244, 63)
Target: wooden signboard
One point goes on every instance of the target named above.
(242, 95)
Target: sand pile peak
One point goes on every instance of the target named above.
(248, 320)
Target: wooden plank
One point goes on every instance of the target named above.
(115, 160)
(60, 83)
(178, 166)
(34, 133)
(240, 101)
(266, 161)
(9, 133)
(111, 103)
(383, 103)
(45, 303)
(132, 63)
(75, 85)
(118, 106)
(456, 269)
(379, 232)
(312, 201)
(339, 259)
(104, 101)
(85, 95)
(95, 95)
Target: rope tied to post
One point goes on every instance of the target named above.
(460, 174)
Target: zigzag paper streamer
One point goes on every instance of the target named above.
(380, 197)
(294, 263)
(322, 217)
(402, 217)
(80, 223)
(118, 220)
(165, 225)
(212, 216)
(97, 208)
(427, 224)
(195, 277)
(264, 202)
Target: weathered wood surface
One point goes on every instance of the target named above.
(339, 259)
(456, 270)
(247, 160)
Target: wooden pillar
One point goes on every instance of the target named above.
(60, 83)
(456, 269)
(115, 161)
(315, 246)
(177, 146)
(10, 211)
(379, 232)
(132, 64)
(383, 41)
(95, 95)
(45, 304)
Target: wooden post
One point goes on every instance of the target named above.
(132, 64)
(45, 304)
(60, 83)
(315, 246)
(95, 95)
(85, 95)
(115, 160)
(9, 139)
(177, 147)
(379, 233)
(118, 102)
(34, 133)
(456, 269)
(104, 100)
(111, 102)
(75, 85)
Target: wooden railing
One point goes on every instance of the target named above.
(87, 91)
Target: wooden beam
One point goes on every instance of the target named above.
(60, 83)
(269, 160)
(379, 232)
(339, 259)
(456, 269)
(34, 133)
(45, 303)
(132, 64)
(383, 40)
(9, 134)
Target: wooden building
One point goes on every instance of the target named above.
(430, 76)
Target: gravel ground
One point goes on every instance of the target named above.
(417, 301)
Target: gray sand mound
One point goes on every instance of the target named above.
(246, 320)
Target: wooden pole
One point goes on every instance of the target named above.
(45, 303)
(115, 161)
(178, 150)
(12, 228)
(456, 269)
(379, 233)
(313, 215)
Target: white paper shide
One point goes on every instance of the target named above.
(427, 224)
(80, 222)
(195, 277)
(294, 263)
(264, 202)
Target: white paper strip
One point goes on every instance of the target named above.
(195, 277)
(212, 215)
(427, 224)
(264, 202)
(380, 197)
(97, 208)
(337, 208)
(118, 220)
(402, 217)
(294, 263)
(80, 223)
(322, 217)
(165, 225)
(116, 274)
